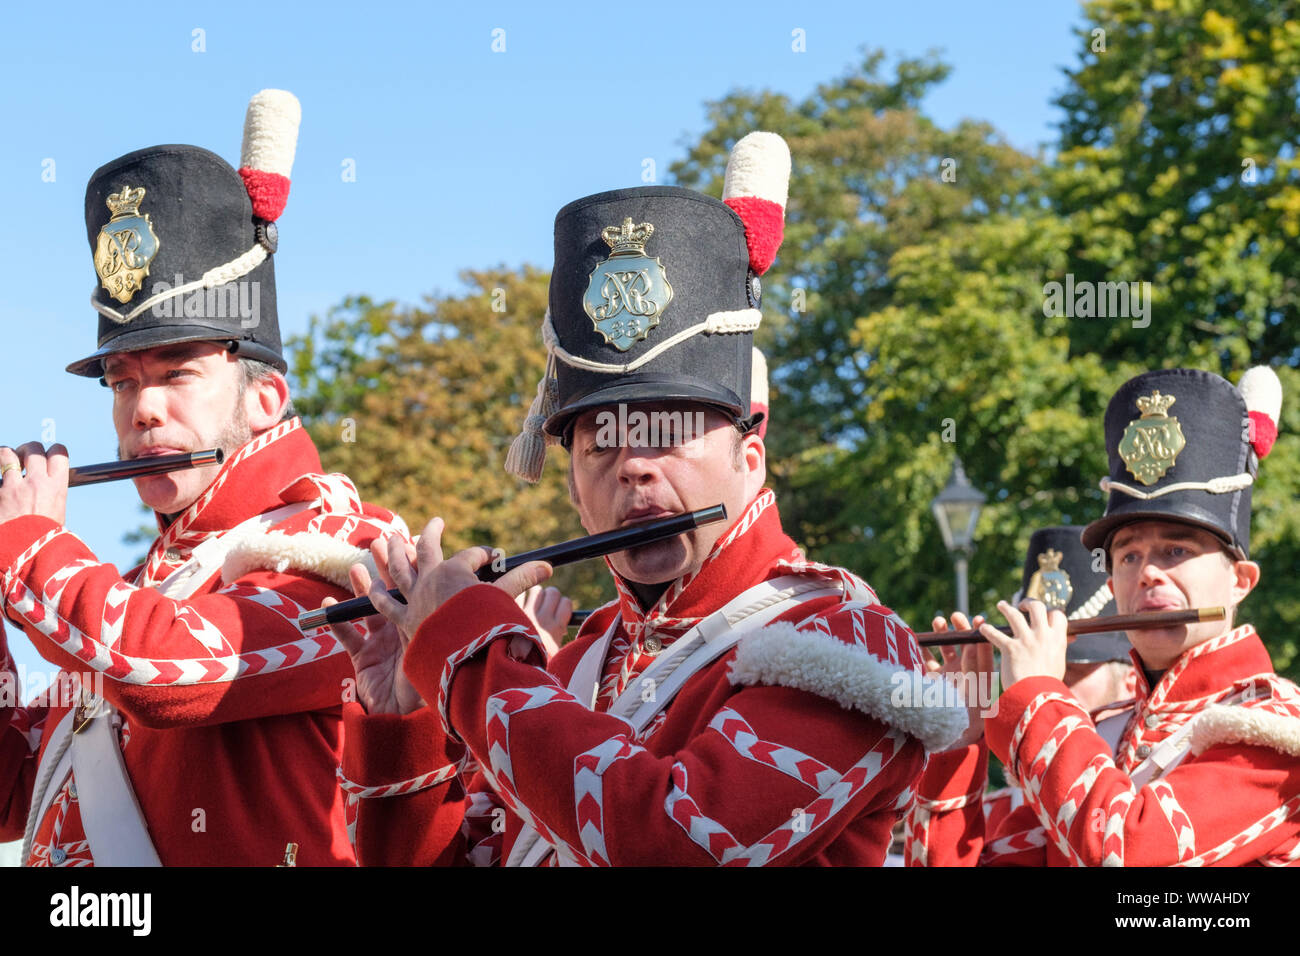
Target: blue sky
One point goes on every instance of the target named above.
(462, 155)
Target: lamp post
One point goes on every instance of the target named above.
(957, 508)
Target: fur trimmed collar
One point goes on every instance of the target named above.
(314, 553)
(854, 678)
(1219, 724)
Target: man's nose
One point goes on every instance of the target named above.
(150, 407)
(637, 465)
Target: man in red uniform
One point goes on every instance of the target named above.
(1207, 770)
(1062, 573)
(202, 727)
(659, 735)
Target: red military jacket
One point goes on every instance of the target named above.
(232, 716)
(793, 748)
(1233, 800)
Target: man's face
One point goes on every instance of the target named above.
(176, 398)
(616, 485)
(1164, 566)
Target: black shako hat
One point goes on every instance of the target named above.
(654, 297)
(1184, 445)
(1062, 573)
(182, 243)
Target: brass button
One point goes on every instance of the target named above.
(652, 644)
(72, 791)
(171, 554)
(1144, 751)
(58, 855)
(1152, 721)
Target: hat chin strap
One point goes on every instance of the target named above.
(227, 272)
(1215, 486)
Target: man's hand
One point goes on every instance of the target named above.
(43, 490)
(427, 581)
(1037, 645)
(382, 687)
(549, 610)
(970, 668)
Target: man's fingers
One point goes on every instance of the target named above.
(524, 577)
(379, 551)
(960, 621)
(995, 637)
(345, 633)
(359, 578)
(31, 455)
(428, 549)
(399, 564)
(56, 461)
(1037, 612)
(387, 605)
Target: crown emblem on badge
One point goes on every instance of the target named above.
(126, 244)
(125, 203)
(627, 239)
(628, 292)
(1151, 443)
(1050, 584)
(1155, 404)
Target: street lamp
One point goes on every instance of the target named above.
(957, 508)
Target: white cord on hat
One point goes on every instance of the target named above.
(219, 275)
(1215, 486)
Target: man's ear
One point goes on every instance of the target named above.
(754, 458)
(264, 401)
(1245, 577)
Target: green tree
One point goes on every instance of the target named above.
(419, 406)
(1178, 166)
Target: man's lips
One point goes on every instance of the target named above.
(642, 515)
(156, 451)
(1158, 604)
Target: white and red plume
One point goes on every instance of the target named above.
(756, 186)
(266, 159)
(1262, 391)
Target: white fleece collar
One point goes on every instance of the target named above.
(852, 677)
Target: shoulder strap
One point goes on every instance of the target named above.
(701, 645)
(587, 673)
(110, 814)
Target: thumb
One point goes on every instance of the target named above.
(522, 578)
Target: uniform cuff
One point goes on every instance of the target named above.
(1001, 727)
(384, 749)
(951, 774)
